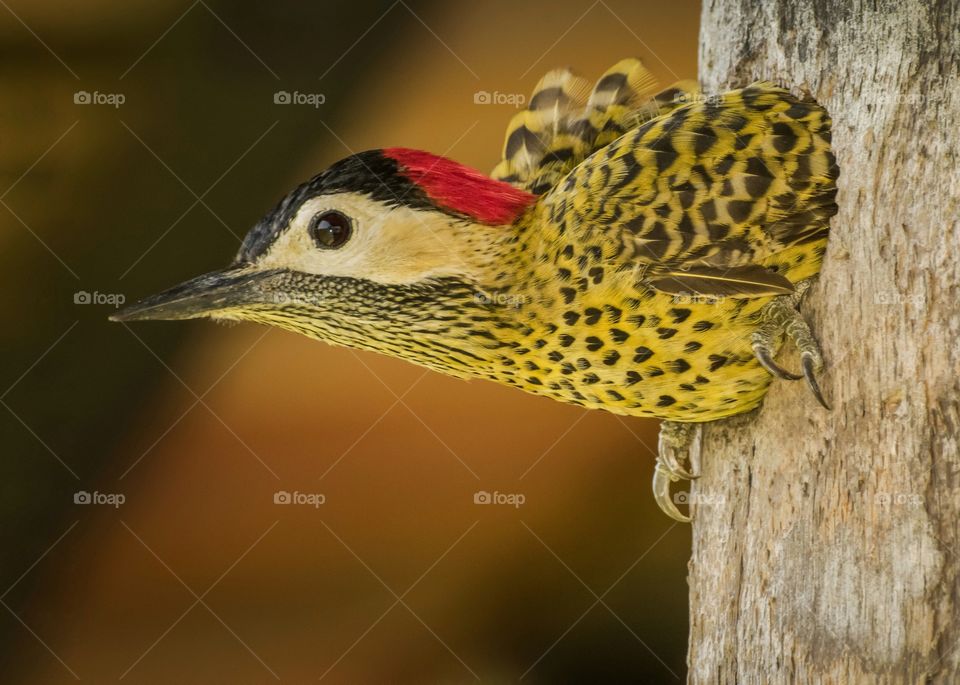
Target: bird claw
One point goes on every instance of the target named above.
(781, 317)
(765, 356)
(673, 449)
(812, 363)
(662, 478)
(674, 439)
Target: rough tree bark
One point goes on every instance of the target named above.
(826, 548)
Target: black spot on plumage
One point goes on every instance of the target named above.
(708, 210)
(568, 294)
(701, 326)
(533, 380)
(757, 186)
(739, 210)
(618, 336)
(590, 379)
(630, 171)
(596, 274)
(699, 172)
(666, 333)
(716, 361)
(593, 343)
(666, 157)
(611, 82)
(665, 401)
(635, 225)
(611, 357)
(802, 173)
(642, 354)
(566, 340)
(782, 129)
(657, 232)
(692, 346)
(591, 315)
(756, 166)
(654, 371)
(520, 138)
(633, 377)
(724, 165)
(555, 356)
(615, 395)
(559, 155)
(736, 122)
(637, 320)
(613, 313)
(711, 108)
(704, 139)
(679, 314)
(570, 318)
(583, 363)
(679, 365)
(718, 232)
(547, 98)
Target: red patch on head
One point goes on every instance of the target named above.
(453, 186)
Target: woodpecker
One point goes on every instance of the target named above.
(639, 252)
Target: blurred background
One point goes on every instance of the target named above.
(144, 538)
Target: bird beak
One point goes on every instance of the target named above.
(218, 291)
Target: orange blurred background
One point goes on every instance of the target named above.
(199, 576)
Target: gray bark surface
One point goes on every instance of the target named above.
(825, 546)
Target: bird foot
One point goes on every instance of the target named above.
(674, 450)
(778, 318)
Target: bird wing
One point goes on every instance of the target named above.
(565, 121)
(702, 197)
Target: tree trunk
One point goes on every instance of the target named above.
(826, 545)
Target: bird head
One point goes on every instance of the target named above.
(386, 249)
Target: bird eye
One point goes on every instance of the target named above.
(330, 230)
